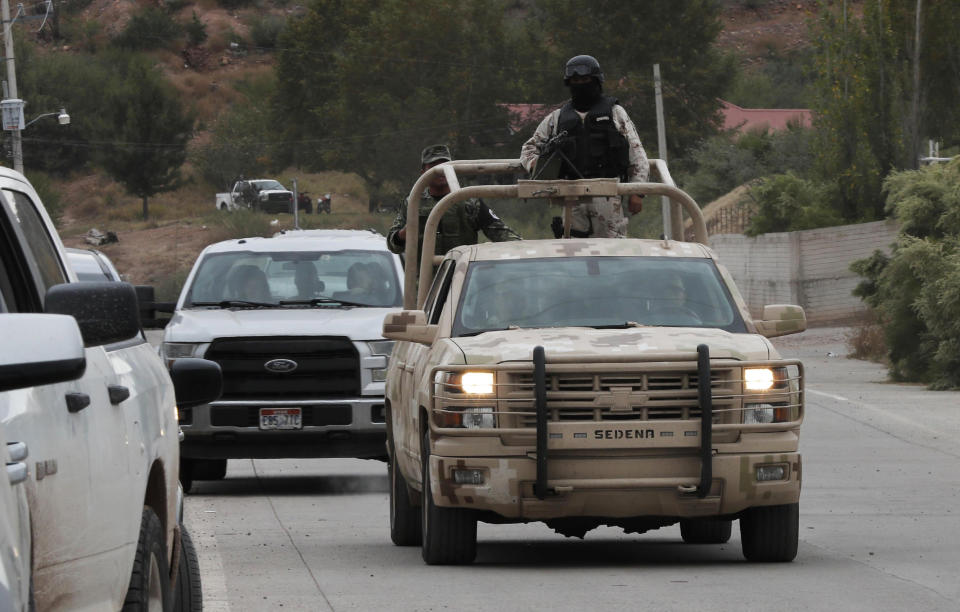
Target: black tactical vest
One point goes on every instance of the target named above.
(595, 146)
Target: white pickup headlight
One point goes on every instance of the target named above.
(176, 350)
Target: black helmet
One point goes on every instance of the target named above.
(583, 65)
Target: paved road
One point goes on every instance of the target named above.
(880, 514)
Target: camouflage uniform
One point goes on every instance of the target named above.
(458, 226)
(602, 217)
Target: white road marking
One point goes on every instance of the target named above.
(839, 398)
(213, 583)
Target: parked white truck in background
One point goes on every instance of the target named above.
(266, 195)
(94, 409)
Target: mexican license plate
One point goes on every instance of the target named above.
(281, 418)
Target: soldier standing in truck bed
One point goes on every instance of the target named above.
(597, 139)
(459, 225)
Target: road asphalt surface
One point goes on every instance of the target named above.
(879, 525)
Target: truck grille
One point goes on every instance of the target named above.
(327, 367)
(623, 396)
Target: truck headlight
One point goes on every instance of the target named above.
(765, 413)
(175, 350)
(758, 379)
(480, 417)
(477, 383)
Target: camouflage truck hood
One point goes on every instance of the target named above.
(594, 344)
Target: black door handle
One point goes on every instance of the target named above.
(77, 401)
(118, 393)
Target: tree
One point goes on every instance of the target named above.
(365, 84)
(628, 39)
(881, 88)
(149, 130)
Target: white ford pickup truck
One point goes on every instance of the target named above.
(295, 323)
(93, 409)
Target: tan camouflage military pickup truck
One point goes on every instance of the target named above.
(587, 382)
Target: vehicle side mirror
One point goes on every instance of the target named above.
(45, 349)
(106, 312)
(409, 326)
(781, 320)
(149, 307)
(196, 381)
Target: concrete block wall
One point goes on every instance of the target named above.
(810, 268)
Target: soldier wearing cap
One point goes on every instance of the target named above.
(590, 136)
(459, 225)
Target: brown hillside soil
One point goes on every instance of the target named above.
(162, 250)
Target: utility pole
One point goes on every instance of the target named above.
(662, 149)
(16, 142)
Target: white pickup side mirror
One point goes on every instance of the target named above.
(39, 349)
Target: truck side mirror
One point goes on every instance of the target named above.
(106, 312)
(781, 320)
(47, 349)
(409, 326)
(196, 381)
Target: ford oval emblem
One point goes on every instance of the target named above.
(281, 366)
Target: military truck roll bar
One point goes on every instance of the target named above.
(560, 192)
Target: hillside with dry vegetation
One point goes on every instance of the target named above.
(213, 74)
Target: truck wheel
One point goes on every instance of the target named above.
(149, 588)
(186, 474)
(706, 531)
(770, 533)
(449, 534)
(209, 469)
(404, 518)
(187, 596)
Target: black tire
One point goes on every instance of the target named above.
(209, 469)
(149, 589)
(187, 595)
(770, 533)
(405, 527)
(706, 531)
(186, 474)
(449, 534)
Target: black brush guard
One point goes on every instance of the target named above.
(705, 398)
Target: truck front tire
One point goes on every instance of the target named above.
(770, 533)
(449, 534)
(188, 595)
(150, 579)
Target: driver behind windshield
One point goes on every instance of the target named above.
(248, 282)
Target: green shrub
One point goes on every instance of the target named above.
(264, 31)
(196, 31)
(786, 203)
(150, 28)
(916, 290)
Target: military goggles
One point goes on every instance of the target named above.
(578, 70)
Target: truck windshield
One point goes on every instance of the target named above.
(321, 278)
(595, 292)
(268, 186)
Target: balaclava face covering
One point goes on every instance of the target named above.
(585, 95)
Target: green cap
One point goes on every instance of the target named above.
(434, 153)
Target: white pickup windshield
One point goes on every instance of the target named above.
(365, 278)
(595, 292)
(268, 186)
